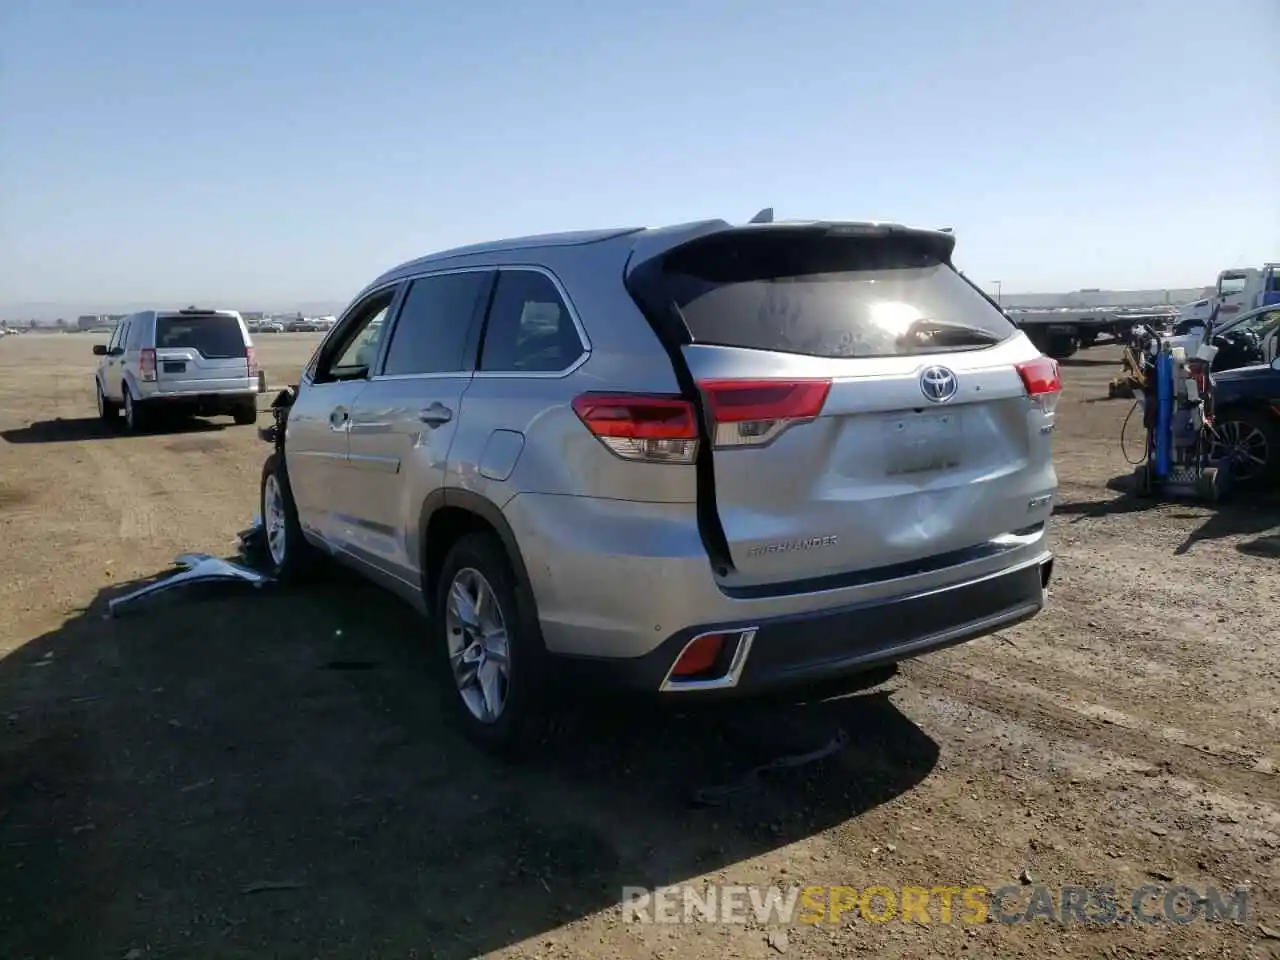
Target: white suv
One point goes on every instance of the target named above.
(198, 362)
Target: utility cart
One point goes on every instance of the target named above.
(1177, 402)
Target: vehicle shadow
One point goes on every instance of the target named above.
(1245, 513)
(74, 429)
(1267, 546)
(1126, 502)
(231, 772)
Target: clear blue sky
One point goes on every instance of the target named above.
(263, 152)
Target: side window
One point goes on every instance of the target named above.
(115, 336)
(356, 347)
(125, 329)
(430, 333)
(529, 328)
(1261, 323)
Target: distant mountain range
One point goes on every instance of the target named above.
(45, 312)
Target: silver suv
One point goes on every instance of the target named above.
(691, 460)
(198, 362)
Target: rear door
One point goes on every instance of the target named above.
(867, 409)
(202, 352)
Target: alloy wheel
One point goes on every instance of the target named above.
(476, 635)
(273, 519)
(1245, 445)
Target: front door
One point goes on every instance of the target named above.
(319, 422)
(404, 421)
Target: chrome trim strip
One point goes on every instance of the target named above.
(583, 339)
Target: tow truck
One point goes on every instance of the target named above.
(1237, 291)
(1059, 332)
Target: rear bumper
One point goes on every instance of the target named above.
(225, 397)
(810, 647)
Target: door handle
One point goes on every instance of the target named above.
(339, 419)
(435, 415)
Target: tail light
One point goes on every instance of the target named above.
(147, 364)
(656, 429)
(251, 361)
(747, 413)
(1043, 382)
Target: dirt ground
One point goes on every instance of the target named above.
(234, 773)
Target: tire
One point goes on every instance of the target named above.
(245, 414)
(137, 415)
(287, 554)
(1247, 434)
(107, 409)
(1210, 485)
(1062, 346)
(479, 561)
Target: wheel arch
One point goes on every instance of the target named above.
(127, 382)
(449, 514)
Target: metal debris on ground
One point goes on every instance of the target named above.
(253, 539)
(750, 781)
(266, 886)
(197, 568)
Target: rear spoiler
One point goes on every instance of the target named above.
(657, 243)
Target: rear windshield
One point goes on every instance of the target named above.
(213, 335)
(827, 296)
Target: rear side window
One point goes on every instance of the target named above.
(529, 329)
(213, 335)
(430, 335)
(825, 296)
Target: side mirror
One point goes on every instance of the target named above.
(99, 349)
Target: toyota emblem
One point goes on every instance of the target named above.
(938, 384)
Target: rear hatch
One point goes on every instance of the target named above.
(866, 410)
(203, 352)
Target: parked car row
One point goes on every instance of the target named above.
(291, 325)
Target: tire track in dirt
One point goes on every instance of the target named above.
(1102, 727)
(1089, 674)
(129, 496)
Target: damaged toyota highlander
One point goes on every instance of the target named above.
(697, 460)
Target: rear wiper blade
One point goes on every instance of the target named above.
(929, 331)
